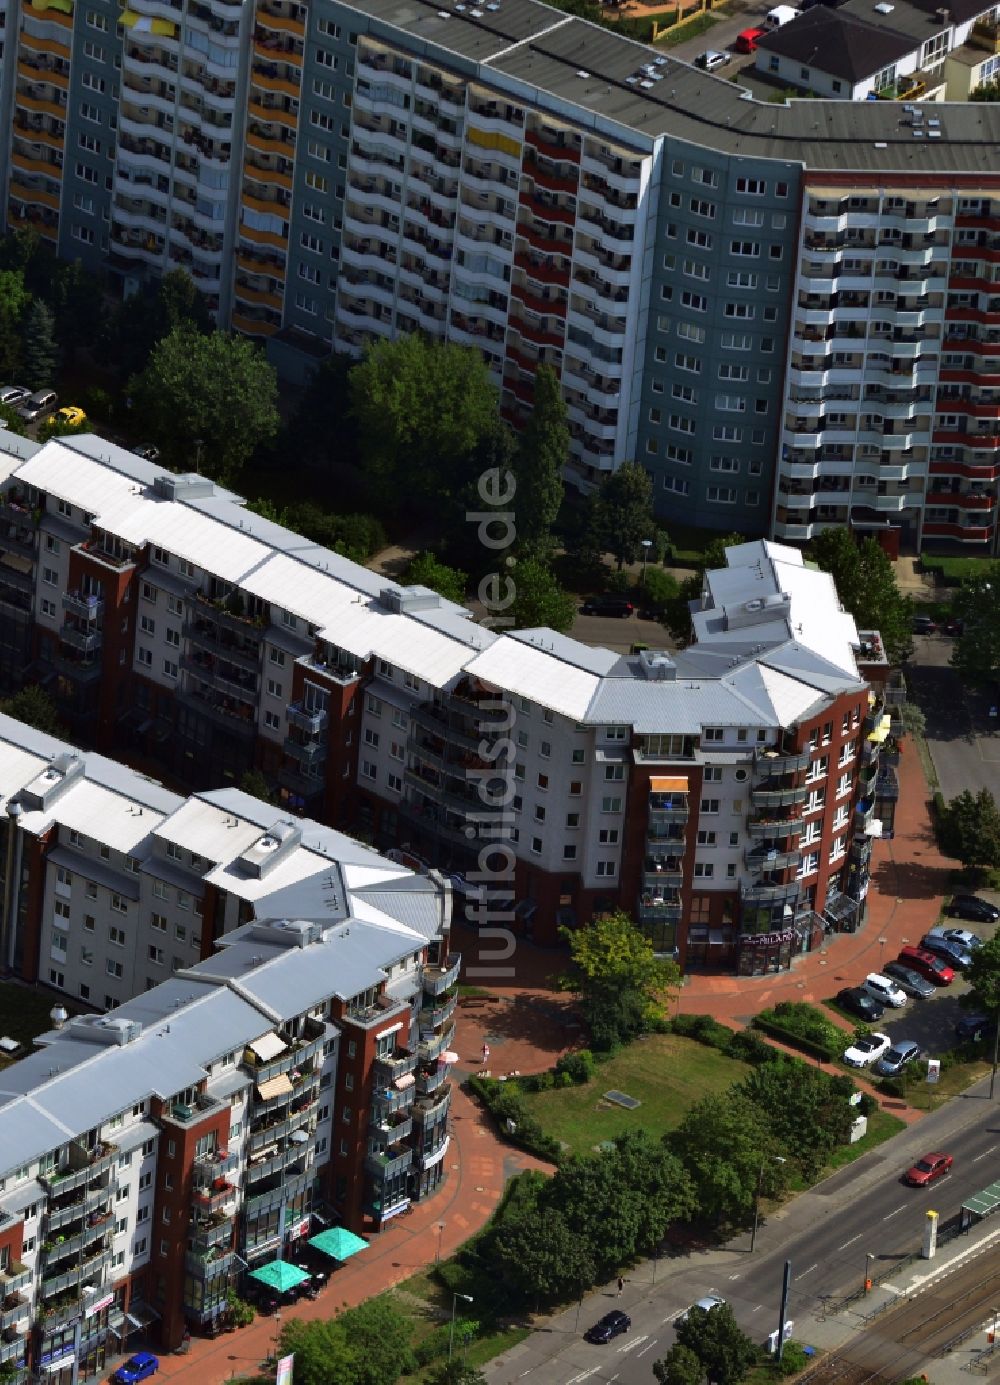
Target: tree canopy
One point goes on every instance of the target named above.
(621, 984)
(39, 353)
(724, 1142)
(539, 599)
(34, 707)
(140, 322)
(807, 1112)
(14, 299)
(428, 571)
(862, 573)
(422, 407)
(983, 974)
(542, 453)
(725, 1351)
(976, 655)
(622, 513)
(211, 394)
(969, 829)
(367, 1345)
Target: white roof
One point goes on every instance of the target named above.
(527, 671)
(99, 813)
(222, 550)
(210, 831)
(17, 768)
(297, 866)
(790, 698)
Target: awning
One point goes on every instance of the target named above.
(275, 1086)
(268, 1046)
(448, 1057)
(881, 730)
(280, 1275)
(16, 562)
(141, 1315)
(668, 784)
(299, 1137)
(407, 1080)
(338, 1243)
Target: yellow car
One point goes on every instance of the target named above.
(71, 416)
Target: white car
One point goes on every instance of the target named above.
(709, 1302)
(863, 1052)
(884, 989)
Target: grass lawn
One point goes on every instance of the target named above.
(24, 1013)
(954, 569)
(928, 1096)
(665, 1072)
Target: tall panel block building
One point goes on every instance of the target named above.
(513, 178)
(174, 627)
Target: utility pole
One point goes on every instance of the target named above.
(785, 1283)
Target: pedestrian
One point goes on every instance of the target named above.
(621, 1285)
(486, 1054)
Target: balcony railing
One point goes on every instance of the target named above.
(771, 763)
(313, 723)
(431, 1017)
(83, 1167)
(388, 1165)
(60, 1214)
(84, 607)
(213, 1198)
(433, 1045)
(764, 797)
(208, 1167)
(444, 976)
(433, 1107)
(430, 1079)
(652, 909)
(209, 1265)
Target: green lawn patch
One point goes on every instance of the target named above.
(953, 571)
(24, 1013)
(665, 1072)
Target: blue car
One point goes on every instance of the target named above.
(136, 1368)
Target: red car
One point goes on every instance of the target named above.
(927, 964)
(927, 1169)
(747, 41)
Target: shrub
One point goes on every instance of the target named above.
(579, 1066)
(618, 582)
(793, 1359)
(802, 1026)
(750, 1048)
(504, 1102)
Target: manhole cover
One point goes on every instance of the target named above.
(621, 1099)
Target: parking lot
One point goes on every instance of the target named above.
(721, 36)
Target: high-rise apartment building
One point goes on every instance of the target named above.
(175, 627)
(274, 1054)
(510, 177)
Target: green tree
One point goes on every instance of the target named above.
(144, 319)
(677, 615)
(76, 298)
(913, 719)
(217, 391)
(807, 1111)
(542, 453)
(255, 784)
(622, 513)
(34, 707)
(862, 573)
(983, 975)
(11, 420)
(421, 407)
(728, 1150)
(621, 984)
(427, 571)
(539, 600)
(56, 427)
(723, 1348)
(367, 1345)
(660, 589)
(540, 1257)
(714, 555)
(323, 431)
(680, 1366)
(39, 352)
(976, 655)
(14, 299)
(969, 829)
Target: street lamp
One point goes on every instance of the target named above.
(277, 1330)
(646, 546)
(756, 1202)
(454, 1306)
(440, 1232)
(869, 1257)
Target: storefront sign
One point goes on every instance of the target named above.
(283, 1375)
(300, 1228)
(50, 1367)
(395, 1211)
(787, 935)
(98, 1304)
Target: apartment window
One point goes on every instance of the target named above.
(92, 82)
(748, 249)
(173, 638)
(608, 836)
(371, 737)
(611, 804)
(369, 769)
(543, 781)
(114, 968)
(89, 922)
(752, 187)
(684, 361)
(569, 851)
(316, 181)
(170, 668)
(272, 720)
(688, 331)
(94, 51)
(158, 922)
(709, 805)
(277, 656)
(607, 870)
(706, 838)
(536, 846)
(315, 150)
(704, 870)
(97, 21)
(119, 903)
(721, 495)
(155, 954)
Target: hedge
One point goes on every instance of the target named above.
(801, 1026)
(739, 1044)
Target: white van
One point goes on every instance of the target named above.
(781, 14)
(885, 990)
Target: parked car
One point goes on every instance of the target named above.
(885, 990)
(928, 1169)
(712, 59)
(148, 451)
(12, 395)
(961, 937)
(748, 39)
(933, 968)
(923, 625)
(954, 626)
(610, 1326)
(607, 606)
(895, 1059)
(138, 1367)
(41, 402)
(957, 957)
(707, 1303)
(865, 1051)
(970, 906)
(858, 1001)
(69, 414)
(909, 980)
(975, 1027)
(780, 15)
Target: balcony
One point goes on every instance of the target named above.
(387, 1165)
(441, 978)
(769, 824)
(431, 1079)
(83, 606)
(309, 755)
(769, 764)
(82, 1167)
(769, 856)
(20, 1307)
(655, 909)
(298, 1053)
(393, 1100)
(208, 1167)
(209, 1232)
(75, 1274)
(433, 1107)
(88, 642)
(664, 811)
(210, 1264)
(887, 785)
(59, 1247)
(14, 1279)
(207, 1201)
(392, 1126)
(276, 1162)
(771, 893)
(764, 797)
(313, 722)
(433, 1045)
(57, 1315)
(432, 1017)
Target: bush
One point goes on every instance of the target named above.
(802, 1026)
(793, 1359)
(750, 1048)
(704, 1030)
(619, 582)
(659, 588)
(504, 1102)
(98, 404)
(580, 1066)
(435, 1344)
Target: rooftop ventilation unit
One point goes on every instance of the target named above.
(188, 486)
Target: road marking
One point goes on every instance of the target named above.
(758, 1308)
(649, 1348)
(890, 1215)
(577, 1378)
(851, 1241)
(985, 1153)
(734, 1276)
(809, 1270)
(630, 1346)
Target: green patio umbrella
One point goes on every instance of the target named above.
(279, 1275)
(338, 1243)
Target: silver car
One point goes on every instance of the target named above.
(41, 402)
(711, 60)
(12, 395)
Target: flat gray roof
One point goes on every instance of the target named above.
(542, 51)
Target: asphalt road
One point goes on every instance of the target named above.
(620, 632)
(825, 1233)
(964, 740)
